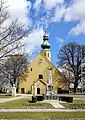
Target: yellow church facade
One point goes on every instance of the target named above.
(42, 75)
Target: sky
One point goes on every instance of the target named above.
(64, 21)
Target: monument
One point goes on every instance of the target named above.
(14, 90)
(50, 93)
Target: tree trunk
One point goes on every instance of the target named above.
(11, 83)
(75, 88)
(17, 87)
(75, 85)
(14, 80)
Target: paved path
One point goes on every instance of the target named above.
(42, 110)
(13, 98)
(54, 103)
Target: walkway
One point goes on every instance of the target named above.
(42, 110)
(13, 98)
(54, 103)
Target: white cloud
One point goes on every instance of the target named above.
(49, 4)
(60, 41)
(37, 4)
(59, 13)
(75, 12)
(33, 40)
(18, 9)
(78, 29)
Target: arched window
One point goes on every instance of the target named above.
(31, 69)
(40, 76)
(45, 54)
(48, 54)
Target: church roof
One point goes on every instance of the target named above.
(59, 72)
(40, 81)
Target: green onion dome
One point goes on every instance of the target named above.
(45, 44)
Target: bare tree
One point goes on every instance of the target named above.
(14, 68)
(10, 35)
(68, 74)
(70, 57)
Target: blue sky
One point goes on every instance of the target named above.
(63, 19)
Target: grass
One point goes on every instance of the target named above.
(8, 96)
(5, 96)
(78, 101)
(24, 103)
(76, 104)
(43, 115)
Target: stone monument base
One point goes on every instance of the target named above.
(14, 91)
(51, 95)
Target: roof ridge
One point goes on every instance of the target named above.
(40, 81)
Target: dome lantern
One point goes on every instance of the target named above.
(45, 44)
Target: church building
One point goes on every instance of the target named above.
(42, 75)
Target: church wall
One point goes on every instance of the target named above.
(38, 66)
(59, 80)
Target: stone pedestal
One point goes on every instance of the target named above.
(34, 90)
(14, 90)
(50, 93)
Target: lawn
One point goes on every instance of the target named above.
(24, 103)
(76, 104)
(42, 115)
(5, 96)
(8, 96)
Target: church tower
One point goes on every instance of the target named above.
(46, 47)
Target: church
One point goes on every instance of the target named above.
(42, 75)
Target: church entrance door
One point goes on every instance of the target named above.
(38, 90)
(22, 90)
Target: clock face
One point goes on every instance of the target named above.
(40, 60)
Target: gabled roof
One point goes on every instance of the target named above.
(41, 53)
(40, 81)
(49, 61)
(59, 72)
